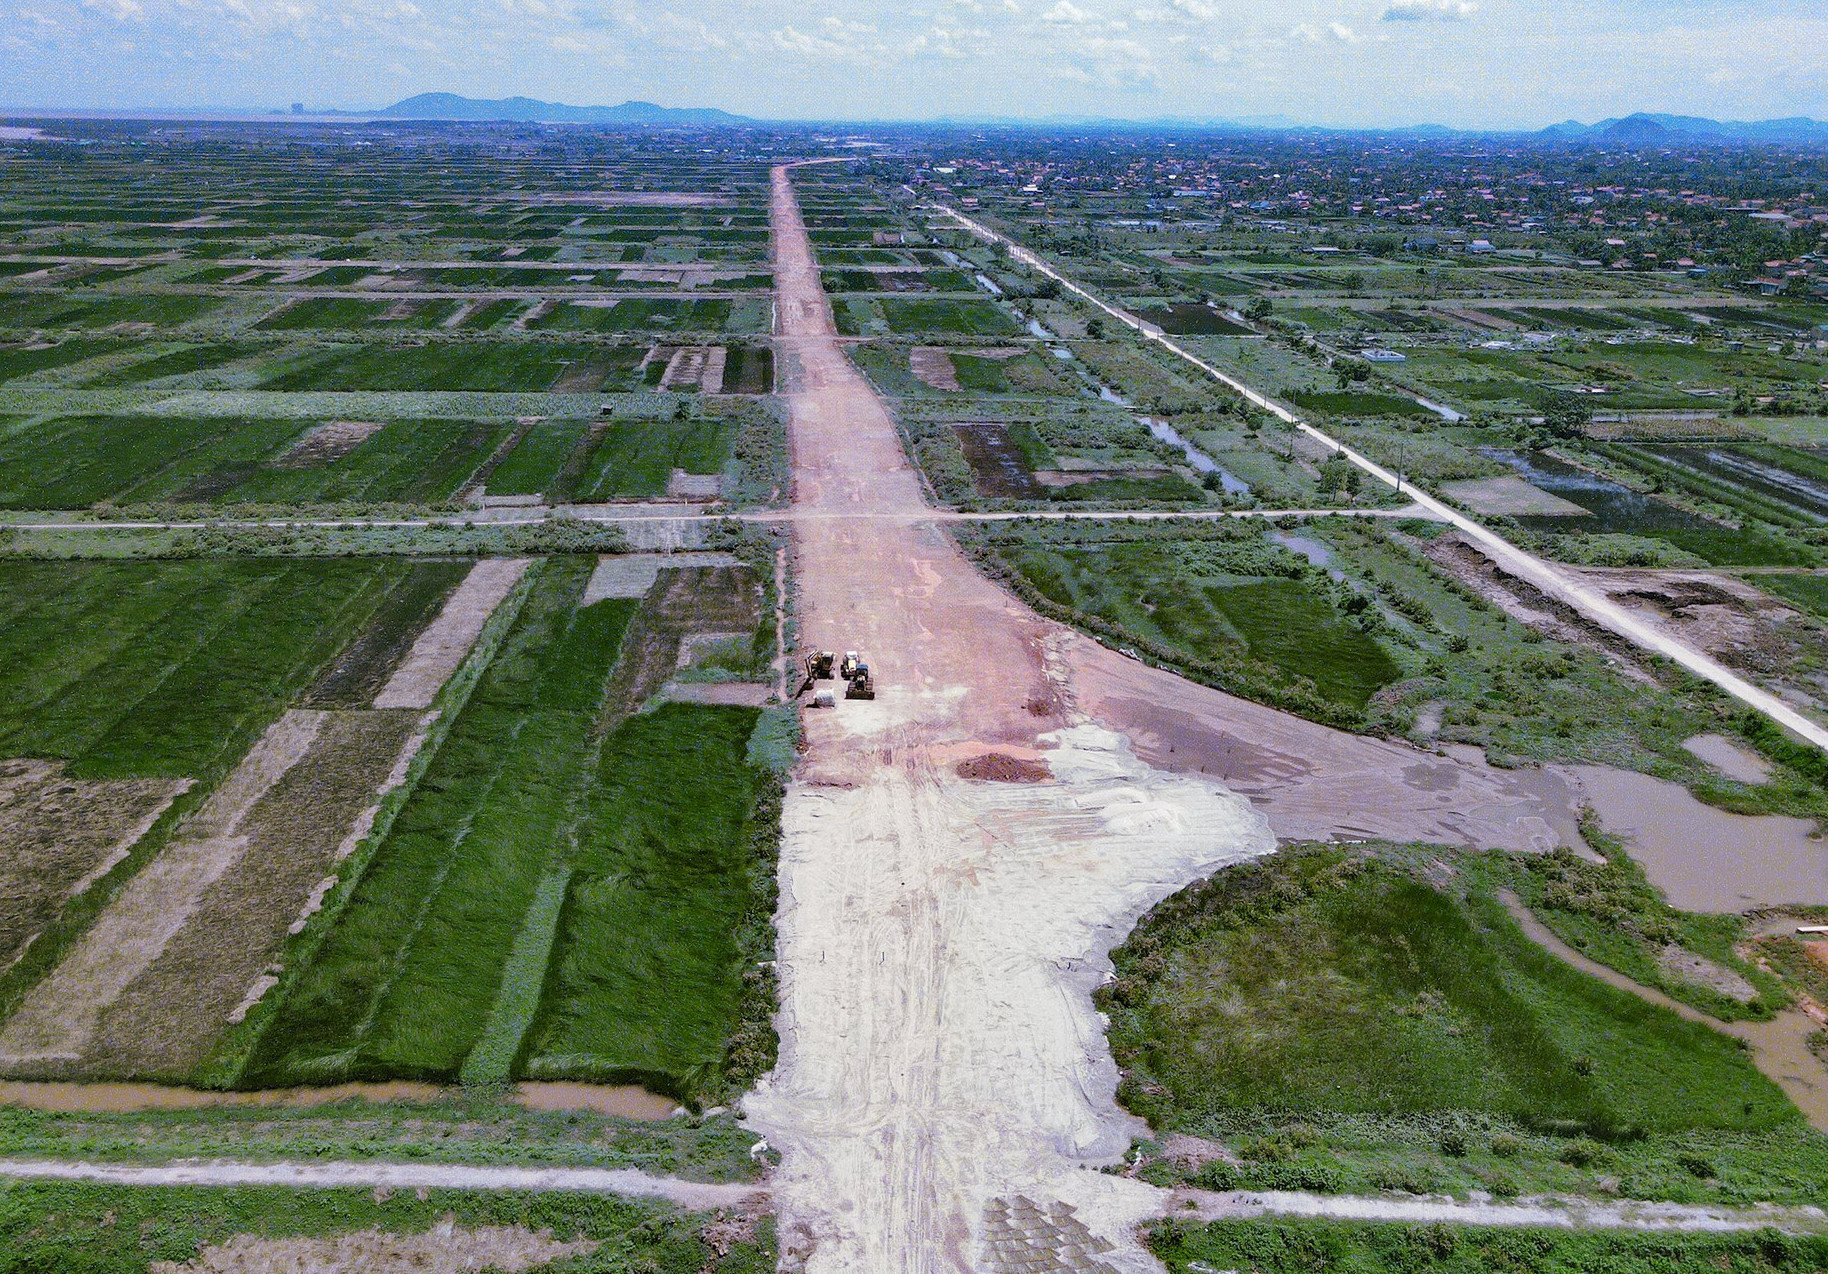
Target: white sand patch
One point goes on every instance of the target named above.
(447, 639)
(940, 940)
(445, 1249)
(59, 1016)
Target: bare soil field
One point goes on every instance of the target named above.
(932, 367)
(682, 601)
(445, 642)
(942, 1068)
(328, 442)
(58, 835)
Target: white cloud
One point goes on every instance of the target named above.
(1331, 32)
(1199, 9)
(1066, 13)
(1430, 10)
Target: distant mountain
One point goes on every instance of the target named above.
(531, 110)
(1688, 128)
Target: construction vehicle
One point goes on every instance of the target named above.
(818, 668)
(848, 668)
(859, 684)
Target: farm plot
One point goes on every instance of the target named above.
(501, 873)
(534, 466)
(649, 985)
(25, 358)
(637, 314)
(77, 461)
(184, 360)
(484, 366)
(1237, 603)
(183, 949)
(411, 462)
(749, 369)
(150, 669)
(975, 317)
(635, 459)
(324, 312)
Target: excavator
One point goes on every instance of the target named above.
(852, 671)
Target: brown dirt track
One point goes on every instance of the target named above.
(940, 935)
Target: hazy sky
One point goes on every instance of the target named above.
(1464, 62)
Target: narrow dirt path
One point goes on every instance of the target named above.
(697, 1195)
(944, 1081)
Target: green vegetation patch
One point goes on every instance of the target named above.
(1300, 1245)
(324, 312)
(168, 668)
(408, 462)
(1329, 981)
(673, 867)
(1360, 403)
(636, 458)
(1236, 608)
(74, 462)
(404, 984)
(974, 317)
(106, 1229)
(480, 366)
(533, 467)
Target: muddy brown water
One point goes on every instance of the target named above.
(1779, 1048)
(1702, 858)
(625, 1102)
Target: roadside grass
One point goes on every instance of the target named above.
(460, 1125)
(1810, 592)
(108, 1229)
(671, 867)
(534, 465)
(403, 985)
(1331, 981)
(636, 458)
(1298, 1244)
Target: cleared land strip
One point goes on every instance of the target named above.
(1561, 1212)
(697, 1195)
(1507, 556)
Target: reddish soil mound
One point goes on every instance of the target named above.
(999, 767)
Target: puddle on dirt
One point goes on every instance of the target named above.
(1702, 858)
(625, 1101)
(1731, 759)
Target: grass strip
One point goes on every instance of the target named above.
(517, 999)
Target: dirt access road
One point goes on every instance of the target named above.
(944, 1083)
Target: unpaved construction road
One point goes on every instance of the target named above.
(944, 1085)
